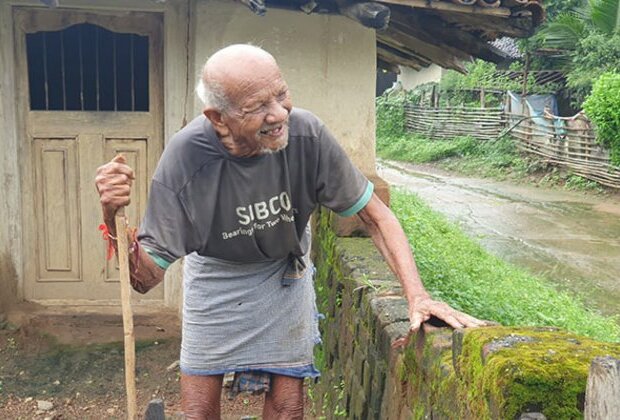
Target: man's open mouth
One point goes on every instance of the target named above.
(274, 131)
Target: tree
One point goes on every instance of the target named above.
(584, 42)
(603, 108)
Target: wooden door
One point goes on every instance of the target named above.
(90, 87)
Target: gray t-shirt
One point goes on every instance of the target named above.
(205, 200)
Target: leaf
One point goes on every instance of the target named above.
(605, 15)
(564, 32)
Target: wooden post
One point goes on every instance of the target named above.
(526, 70)
(130, 348)
(603, 390)
(482, 98)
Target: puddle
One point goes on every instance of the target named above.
(571, 239)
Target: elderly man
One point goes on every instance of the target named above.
(233, 193)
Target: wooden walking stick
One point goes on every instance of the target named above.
(130, 346)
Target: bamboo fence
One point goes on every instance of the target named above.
(442, 123)
(570, 143)
(572, 146)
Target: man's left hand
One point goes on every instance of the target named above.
(424, 308)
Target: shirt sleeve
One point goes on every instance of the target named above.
(341, 187)
(166, 233)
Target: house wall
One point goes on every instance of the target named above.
(178, 103)
(10, 228)
(410, 78)
(328, 61)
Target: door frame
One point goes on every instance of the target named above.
(106, 19)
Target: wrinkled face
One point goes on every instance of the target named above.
(260, 107)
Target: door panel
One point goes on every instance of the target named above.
(135, 152)
(68, 136)
(56, 198)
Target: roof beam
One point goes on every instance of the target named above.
(450, 7)
(406, 54)
(389, 55)
(370, 14)
(441, 56)
(516, 27)
(412, 29)
(437, 29)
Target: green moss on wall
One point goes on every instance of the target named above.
(500, 372)
(508, 371)
(328, 395)
(430, 378)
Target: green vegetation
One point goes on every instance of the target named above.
(390, 114)
(494, 159)
(581, 39)
(462, 89)
(326, 398)
(546, 369)
(502, 371)
(585, 41)
(471, 279)
(603, 108)
(459, 271)
(457, 89)
(418, 149)
(499, 159)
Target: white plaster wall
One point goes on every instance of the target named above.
(410, 78)
(10, 198)
(328, 62)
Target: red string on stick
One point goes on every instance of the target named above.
(107, 237)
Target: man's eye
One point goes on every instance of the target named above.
(253, 109)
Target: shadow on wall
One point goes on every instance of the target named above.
(8, 282)
(385, 80)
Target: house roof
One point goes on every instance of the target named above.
(417, 33)
(508, 46)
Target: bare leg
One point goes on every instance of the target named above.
(285, 399)
(200, 396)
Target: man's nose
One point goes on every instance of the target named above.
(276, 113)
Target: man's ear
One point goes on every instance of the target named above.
(217, 119)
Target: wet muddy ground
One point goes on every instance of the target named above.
(68, 363)
(570, 238)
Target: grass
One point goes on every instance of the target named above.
(498, 159)
(416, 149)
(459, 271)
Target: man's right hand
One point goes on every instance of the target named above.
(113, 182)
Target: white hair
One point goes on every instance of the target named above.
(212, 94)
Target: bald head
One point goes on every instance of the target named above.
(226, 74)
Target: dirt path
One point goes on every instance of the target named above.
(571, 238)
(70, 362)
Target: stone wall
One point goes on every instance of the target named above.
(485, 373)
